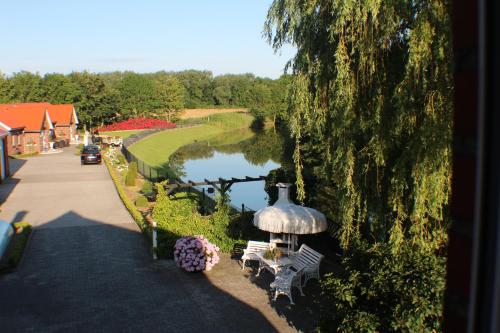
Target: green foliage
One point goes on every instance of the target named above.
(169, 96)
(121, 159)
(19, 243)
(230, 121)
(147, 187)
(276, 176)
(108, 97)
(131, 174)
(135, 95)
(371, 116)
(381, 291)
(197, 87)
(25, 87)
(19, 156)
(141, 201)
(94, 101)
(374, 124)
(79, 149)
(178, 217)
(136, 215)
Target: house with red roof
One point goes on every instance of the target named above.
(29, 127)
(65, 121)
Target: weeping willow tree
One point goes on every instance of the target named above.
(371, 113)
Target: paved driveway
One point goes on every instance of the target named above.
(87, 267)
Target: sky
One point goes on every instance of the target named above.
(222, 36)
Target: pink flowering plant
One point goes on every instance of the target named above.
(194, 254)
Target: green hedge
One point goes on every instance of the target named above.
(141, 201)
(147, 187)
(19, 243)
(179, 217)
(136, 214)
(131, 175)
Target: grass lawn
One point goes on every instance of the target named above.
(123, 134)
(156, 149)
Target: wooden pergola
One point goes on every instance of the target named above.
(222, 185)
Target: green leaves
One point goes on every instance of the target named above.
(371, 86)
(380, 291)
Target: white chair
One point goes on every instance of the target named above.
(286, 280)
(249, 253)
(309, 259)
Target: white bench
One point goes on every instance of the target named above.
(309, 259)
(253, 247)
(286, 280)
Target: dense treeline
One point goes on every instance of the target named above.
(107, 97)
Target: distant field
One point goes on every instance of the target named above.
(197, 113)
(156, 149)
(123, 134)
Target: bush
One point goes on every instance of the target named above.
(147, 187)
(126, 200)
(23, 231)
(131, 175)
(141, 201)
(380, 291)
(121, 158)
(195, 254)
(179, 217)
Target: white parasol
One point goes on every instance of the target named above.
(285, 217)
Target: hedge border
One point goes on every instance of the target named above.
(127, 202)
(15, 253)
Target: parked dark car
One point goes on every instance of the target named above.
(91, 155)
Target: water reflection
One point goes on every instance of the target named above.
(235, 154)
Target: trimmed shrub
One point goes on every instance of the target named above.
(141, 201)
(23, 231)
(147, 187)
(131, 175)
(179, 217)
(136, 214)
(121, 158)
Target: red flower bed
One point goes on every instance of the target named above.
(138, 123)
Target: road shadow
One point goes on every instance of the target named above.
(9, 184)
(15, 164)
(304, 314)
(80, 274)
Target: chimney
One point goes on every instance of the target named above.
(283, 193)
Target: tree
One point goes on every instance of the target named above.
(371, 115)
(269, 98)
(58, 89)
(198, 87)
(94, 101)
(5, 89)
(373, 86)
(169, 96)
(25, 87)
(136, 95)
